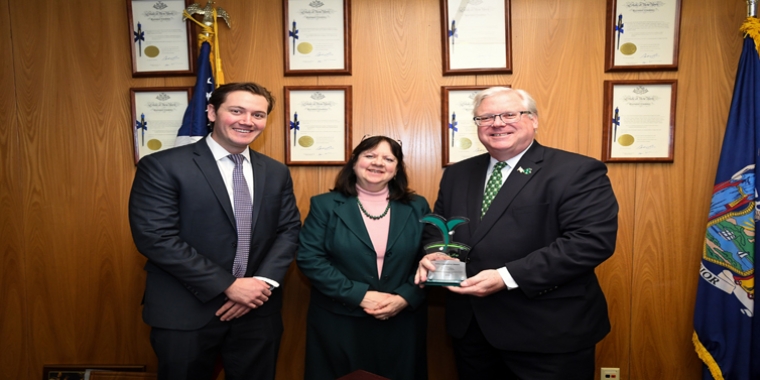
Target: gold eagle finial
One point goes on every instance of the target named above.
(208, 13)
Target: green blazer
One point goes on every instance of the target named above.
(338, 257)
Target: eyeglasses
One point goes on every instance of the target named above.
(371, 135)
(506, 117)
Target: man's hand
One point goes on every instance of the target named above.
(248, 291)
(231, 310)
(482, 284)
(426, 265)
(389, 307)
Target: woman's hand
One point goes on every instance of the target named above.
(372, 299)
(389, 307)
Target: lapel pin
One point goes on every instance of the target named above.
(525, 171)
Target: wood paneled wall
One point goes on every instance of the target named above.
(71, 279)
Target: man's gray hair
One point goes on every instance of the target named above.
(528, 102)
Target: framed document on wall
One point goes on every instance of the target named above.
(639, 120)
(476, 37)
(458, 130)
(642, 35)
(317, 37)
(318, 122)
(160, 38)
(156, 117)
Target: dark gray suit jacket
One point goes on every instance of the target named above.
(182, 221)
(553, 221)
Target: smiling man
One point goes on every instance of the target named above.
(541, 220)
(219, 225)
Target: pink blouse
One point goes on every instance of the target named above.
(375, 203)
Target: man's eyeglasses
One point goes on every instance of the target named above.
(370, 135)
(506, 117)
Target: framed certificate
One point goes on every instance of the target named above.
(160, 38)
(642, 35)
(476, 36)
(639, 120)
(156, 117)
(458, 130)
(318, 122)
(317, 37)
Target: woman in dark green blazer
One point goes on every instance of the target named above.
(359, 247)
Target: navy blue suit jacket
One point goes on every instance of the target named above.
(182, 221)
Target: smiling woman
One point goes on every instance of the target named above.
(359, 248)
(375, 167)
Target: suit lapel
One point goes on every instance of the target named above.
(204, 159)
(476, 183)
(259, 184)
(509, 190)
(348, 212)
(400, 214)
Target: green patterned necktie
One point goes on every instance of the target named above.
(492, 187)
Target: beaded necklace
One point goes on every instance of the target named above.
(372, 216)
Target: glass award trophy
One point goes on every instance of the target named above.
(447, 272)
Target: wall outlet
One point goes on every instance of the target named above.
(610, 373)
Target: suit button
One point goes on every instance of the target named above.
(234, 245)
(468, 260)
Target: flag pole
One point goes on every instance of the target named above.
(751, 8)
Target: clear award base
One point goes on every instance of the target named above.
(447, 273)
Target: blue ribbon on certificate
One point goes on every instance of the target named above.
(453, 31)
(619, 29)
(616, 123)
(139, 37)
(453, 126)
(295, 125)
(142, 124)
(294, 34)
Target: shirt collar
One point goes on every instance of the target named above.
(219, 152)
(512, 162)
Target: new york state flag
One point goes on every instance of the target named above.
(726, 332)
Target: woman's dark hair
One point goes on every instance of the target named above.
(219, 95)
(345, 181)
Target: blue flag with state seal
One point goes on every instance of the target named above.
(726, 331)
(195, 121)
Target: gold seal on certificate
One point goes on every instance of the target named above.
(305, 141)
(464, 143)
(626, 140)
(152, 51)
(154, 144)
(451, 271)
(628, 48)
(305, 48)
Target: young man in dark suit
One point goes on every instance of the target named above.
(532, 307)
(219, 225)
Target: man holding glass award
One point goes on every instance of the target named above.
(540, 221)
